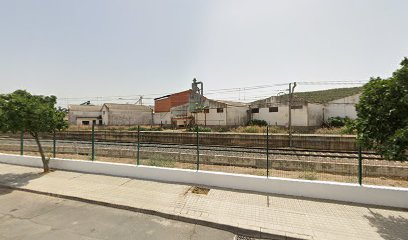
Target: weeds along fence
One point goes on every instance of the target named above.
(254, 154)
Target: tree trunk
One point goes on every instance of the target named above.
(43, 158)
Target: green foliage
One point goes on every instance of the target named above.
(382, 112)
(200, 129)
(257, 122)
(21, 111)
(349, 127)
(337, 121)
(221, 129)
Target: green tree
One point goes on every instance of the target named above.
(382, 122)
(21, 111)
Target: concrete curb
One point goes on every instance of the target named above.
(233, 229)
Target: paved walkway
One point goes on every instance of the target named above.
(30, 216)
(284, 216)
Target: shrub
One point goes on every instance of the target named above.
(153, 128)
(257, 122)
(250, 129)
(200, 129)
(337, 121)
(221, 129)
(326, 130)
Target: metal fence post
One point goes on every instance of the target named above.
(54, 146)
(22, 143)
(360, 166)
(198, 150)
(93, 142)
(138, 144)
(267, 151)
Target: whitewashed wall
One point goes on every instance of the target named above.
(378, 195)
(237, 115)
(281, 118)
(126, 117)
(213, 118)
(344, 107)
(162, 118)
(74, 115)
(315, 114)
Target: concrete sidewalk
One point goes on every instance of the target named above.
(265, 214)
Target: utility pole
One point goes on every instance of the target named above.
(140, 101)
(291, 90)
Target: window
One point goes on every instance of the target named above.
(220, 110)
(255, 110)
(297, 107)
(85, 122)
(206, 110)
(273, 109)
(103, 112)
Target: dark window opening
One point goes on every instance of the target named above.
(85, 122)
(273, 109)
(255, 110)
(220, 110)
(206, 110)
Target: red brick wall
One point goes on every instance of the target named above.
(162, 105)
(176, 99)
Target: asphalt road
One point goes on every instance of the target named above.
(32, 216)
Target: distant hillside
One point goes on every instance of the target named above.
(323, 96)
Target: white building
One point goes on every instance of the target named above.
(126, 114)
(84, 114)
(309, 109)
(222, 113)
(344, 107)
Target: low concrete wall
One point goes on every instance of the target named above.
(383, 196)
(312, 165)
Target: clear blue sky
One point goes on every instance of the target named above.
(87, 48)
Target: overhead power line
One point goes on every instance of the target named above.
(242, 93)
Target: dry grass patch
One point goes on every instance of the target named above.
(200, 190)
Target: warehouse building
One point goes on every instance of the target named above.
(115, 114)
(172, 109)
(222, 113)
(84, 114)
(309, 109)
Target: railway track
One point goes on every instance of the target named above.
(215, 150)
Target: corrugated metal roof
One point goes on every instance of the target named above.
(128, 107)
(231, 103)
(85, 108)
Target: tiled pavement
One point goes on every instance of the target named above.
(284, 216)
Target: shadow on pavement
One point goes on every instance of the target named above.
(389, 227)
(12, 180)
